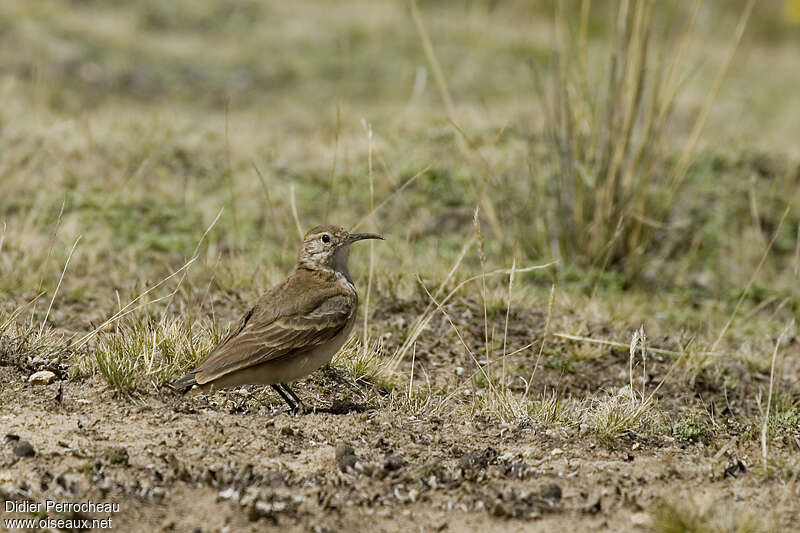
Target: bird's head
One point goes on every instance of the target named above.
(329, 247)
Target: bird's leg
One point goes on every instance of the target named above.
(302, 407)
(286, 398)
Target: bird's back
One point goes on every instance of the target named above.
(307, 310)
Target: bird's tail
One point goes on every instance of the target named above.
(184, 384)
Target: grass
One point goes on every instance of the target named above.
(611, 187)
(24, 348)
(366, 365)
(552, 410)
(627, 409)
(690, 516)
(553, 179)
(690, 429)
(144, 352)
(622, 412)
(154, 186)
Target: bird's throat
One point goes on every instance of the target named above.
(340, 262)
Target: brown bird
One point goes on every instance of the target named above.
(293, 329)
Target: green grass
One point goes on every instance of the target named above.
(690, 429)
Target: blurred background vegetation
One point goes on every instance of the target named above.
(570, 124)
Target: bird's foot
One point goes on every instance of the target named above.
(296, 405)
(302, 409)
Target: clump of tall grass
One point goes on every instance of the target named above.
(626, 409)
(551, 409)
(619, 412)
(29, 348)
(365, 364)
(610, 183)
(142, 352)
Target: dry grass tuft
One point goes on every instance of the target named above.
(613, 187)
(627, 409)
(689, 516)
(365, 364)
(145, 353)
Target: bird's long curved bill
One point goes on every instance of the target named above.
(353, 237)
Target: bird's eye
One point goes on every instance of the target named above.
(326, 238)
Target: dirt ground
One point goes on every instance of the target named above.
(239, 461)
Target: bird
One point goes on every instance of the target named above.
(294, 328)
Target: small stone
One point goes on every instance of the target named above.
(24, 448)
(476, 460)
(551, 492)
(735, 468)
(641, 519)
(393, 462)
(42, 377)
(500, 510)
(594, 508)
(229, 494)
(368, 469)
(556, 451)
(343, 450)
(348, 463)
(274, 480)
(346, 457)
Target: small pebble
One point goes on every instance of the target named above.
(229, 494)
(24, 448)
(344, 449)
(346, 457)
(551, 492)
(641, 519)
(477, 460)
(42, 377)
(393, 462)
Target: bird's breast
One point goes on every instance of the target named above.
(289, 369)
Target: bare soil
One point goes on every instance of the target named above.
(239, 461)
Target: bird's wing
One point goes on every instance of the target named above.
(267, 333)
